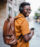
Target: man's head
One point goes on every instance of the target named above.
(25, 8)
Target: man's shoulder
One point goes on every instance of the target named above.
(19, 19)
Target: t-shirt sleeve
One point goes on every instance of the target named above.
(25, 27)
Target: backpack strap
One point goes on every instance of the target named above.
(17, 17)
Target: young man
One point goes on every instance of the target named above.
(23, 34)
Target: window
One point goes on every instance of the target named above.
(9, 9)
(15, 13)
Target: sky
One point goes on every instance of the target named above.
(35, 4)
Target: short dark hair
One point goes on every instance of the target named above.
(22, 5)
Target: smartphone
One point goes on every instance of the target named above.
(32, 28)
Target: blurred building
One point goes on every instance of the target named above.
(5, 7)
(16, 4)
(9, 7)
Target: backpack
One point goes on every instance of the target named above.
(9, 35)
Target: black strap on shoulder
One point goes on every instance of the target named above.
(19, 36)
(17, 17)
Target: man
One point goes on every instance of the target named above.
(23, 34)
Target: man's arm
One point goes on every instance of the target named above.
(27, 37)
(27, 34)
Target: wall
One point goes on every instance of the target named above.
(2, 13)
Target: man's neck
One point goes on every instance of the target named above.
(24, 15)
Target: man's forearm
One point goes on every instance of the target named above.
(28, 37)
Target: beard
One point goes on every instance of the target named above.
(26, 14)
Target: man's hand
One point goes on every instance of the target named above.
(28, 37)
(32, 33)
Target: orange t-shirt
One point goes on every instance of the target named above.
(21, 28)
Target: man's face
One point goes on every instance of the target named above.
(26, 10)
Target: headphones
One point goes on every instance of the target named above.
(20, 9)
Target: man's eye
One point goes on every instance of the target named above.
(28, 9)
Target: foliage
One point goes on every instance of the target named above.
(37, 14)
